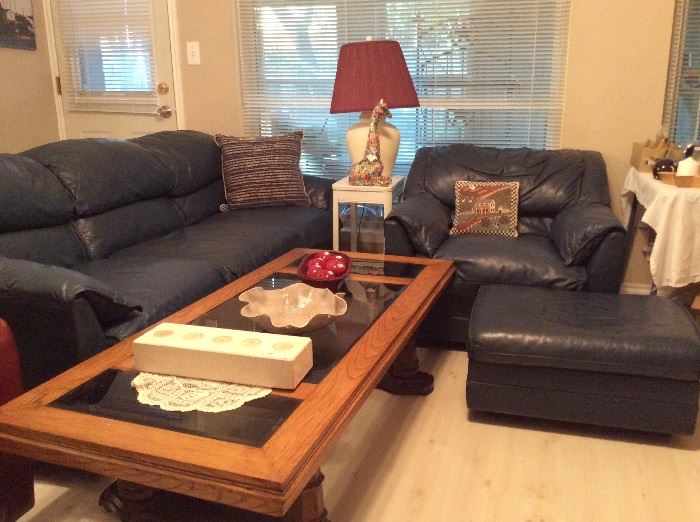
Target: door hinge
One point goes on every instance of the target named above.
(58, 85)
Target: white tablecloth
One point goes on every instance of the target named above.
(674, 214)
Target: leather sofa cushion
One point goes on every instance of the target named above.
(202, 203)
(160, 286)
(30, 195)
(628, 334)
(104, 174)
(527, 259)
(239, 241)
(122, 227)
(549, 180)
(192, 156)
(53, 246)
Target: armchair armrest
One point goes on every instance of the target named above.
(426, 222)
(578, 231)
(320, 191)
(606, 266)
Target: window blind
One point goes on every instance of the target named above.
(489, 73)
(682, 102)
(106, 55)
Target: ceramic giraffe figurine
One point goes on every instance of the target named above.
(368, 171)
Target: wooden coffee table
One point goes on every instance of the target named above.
(263, 457)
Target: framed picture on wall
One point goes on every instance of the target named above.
(17, 24)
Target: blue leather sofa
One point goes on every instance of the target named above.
(100, 238)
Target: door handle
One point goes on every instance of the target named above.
(164, 111)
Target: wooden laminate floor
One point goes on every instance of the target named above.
(425, 459)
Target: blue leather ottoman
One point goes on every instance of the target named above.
(625, 361)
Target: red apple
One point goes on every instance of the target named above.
(315, 272)
(338, 267)
(314, 264)
(324, 256)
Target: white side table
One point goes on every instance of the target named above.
(343, 192)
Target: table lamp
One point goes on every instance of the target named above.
(367, 73)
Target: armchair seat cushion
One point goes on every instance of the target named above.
(526, 260)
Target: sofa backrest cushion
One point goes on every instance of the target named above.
(30, 195)
(550, 180)
(35, 212)
(122, 227)
(103, 174)
(125, 192)
(52, 246)
(198, 205)
(192, 156)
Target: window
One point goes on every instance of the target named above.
(682, 106)
(489, 73)
(106, 57)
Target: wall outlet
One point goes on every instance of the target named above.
(193, 53)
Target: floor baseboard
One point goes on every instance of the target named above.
(635, 288)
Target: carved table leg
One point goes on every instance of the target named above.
(309, 506)
(136, 503)
(404, 377)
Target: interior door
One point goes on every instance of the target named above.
(115, 65)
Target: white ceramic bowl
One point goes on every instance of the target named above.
(295, 309)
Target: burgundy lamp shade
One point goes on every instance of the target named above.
(368, 72)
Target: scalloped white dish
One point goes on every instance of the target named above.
(295, 309)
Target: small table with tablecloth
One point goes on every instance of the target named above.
(674, 215)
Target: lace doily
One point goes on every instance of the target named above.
(183, 394)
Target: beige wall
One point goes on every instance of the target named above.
(210, 91)
(27, 110)
(616, 78)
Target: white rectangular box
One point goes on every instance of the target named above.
(220, 354)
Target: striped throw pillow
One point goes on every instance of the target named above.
(262, 172)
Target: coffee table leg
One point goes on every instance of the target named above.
(136, 503)
(404, 377)
(309, 507)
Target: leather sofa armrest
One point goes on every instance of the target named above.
(58, 316)
(396, 240)
(425, 220)
(606, 266)
(320, 191)
(578, 231)
(52, 335)
(20, 278)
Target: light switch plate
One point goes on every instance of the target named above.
(193, 53)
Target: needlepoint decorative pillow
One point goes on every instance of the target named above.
(262, 172)
(486, 207)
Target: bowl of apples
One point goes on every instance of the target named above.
(324, 269)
